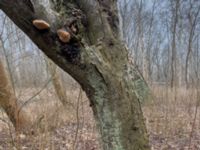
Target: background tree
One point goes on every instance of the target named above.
(9, 103)
(58, 85)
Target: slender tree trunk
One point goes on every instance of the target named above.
(8, 102)
(173, 57)
(193, 22)
(150, 42)
(187, 61)
(58, 85)
(96, 58)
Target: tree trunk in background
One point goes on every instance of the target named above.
(8, 102)
(174, 53)
(57, 83)
(193, 16)
(96, 58)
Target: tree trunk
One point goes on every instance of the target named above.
(192, 23)
(96, 58)
(174, 53)
(8, 102)
(57, 83)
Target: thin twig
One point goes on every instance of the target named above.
(31, 98)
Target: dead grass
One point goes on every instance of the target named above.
(169, 118)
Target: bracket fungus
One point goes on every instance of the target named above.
(41, 24)
(63, 35)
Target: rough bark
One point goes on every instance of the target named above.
(96, 58)
(9, 104)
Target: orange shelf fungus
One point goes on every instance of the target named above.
(63, 35)
(41, 24)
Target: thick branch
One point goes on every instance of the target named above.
(19, 11)
(21, 14)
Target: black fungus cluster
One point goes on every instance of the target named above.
(71, 52)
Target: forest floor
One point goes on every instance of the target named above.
(171, 124)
